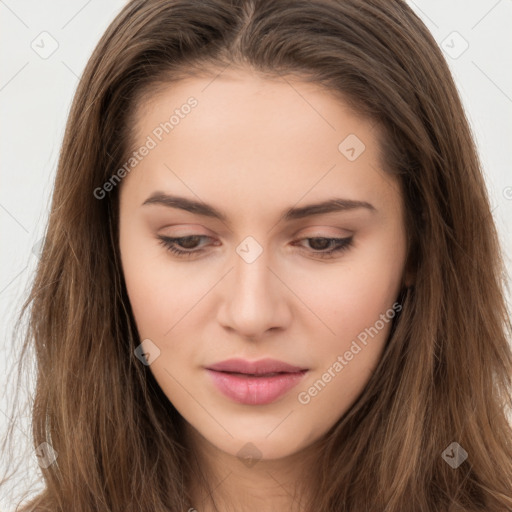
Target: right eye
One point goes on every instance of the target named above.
(171, 244)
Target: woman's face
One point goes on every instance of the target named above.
(236, 163)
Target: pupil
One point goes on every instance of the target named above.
(185, 242)
(323, 242)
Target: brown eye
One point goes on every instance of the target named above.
(320, 245)
(189, 243)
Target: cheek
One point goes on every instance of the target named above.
(159, 300)
(159, 291)
(146, 294)
(162, 298)
(356, 301)
(351, 296)
(358, 309)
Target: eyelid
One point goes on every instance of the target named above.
(317, 231)
(322, 233)
(340, 246)
(187, 229)
(295, 238)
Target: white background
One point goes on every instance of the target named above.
(36, 93)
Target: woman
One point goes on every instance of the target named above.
(271, 279)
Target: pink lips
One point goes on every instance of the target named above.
(255, 382)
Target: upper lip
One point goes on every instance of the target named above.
(261, 366)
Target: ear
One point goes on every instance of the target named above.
(409, 277)
(409, 281)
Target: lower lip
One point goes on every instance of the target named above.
(255, 390)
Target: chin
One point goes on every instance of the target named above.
(258, 444)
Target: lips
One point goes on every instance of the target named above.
(261, 367)
(255, 382)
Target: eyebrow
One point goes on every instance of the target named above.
(293, 213)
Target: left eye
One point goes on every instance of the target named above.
(187, 241)
(329, 246)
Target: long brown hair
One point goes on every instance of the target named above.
(445, 375)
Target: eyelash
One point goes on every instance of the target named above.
(341, 245)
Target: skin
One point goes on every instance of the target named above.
(252, 148)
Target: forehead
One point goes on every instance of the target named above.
(250, 139)
(283, 102)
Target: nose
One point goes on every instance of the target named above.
(254, 300)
